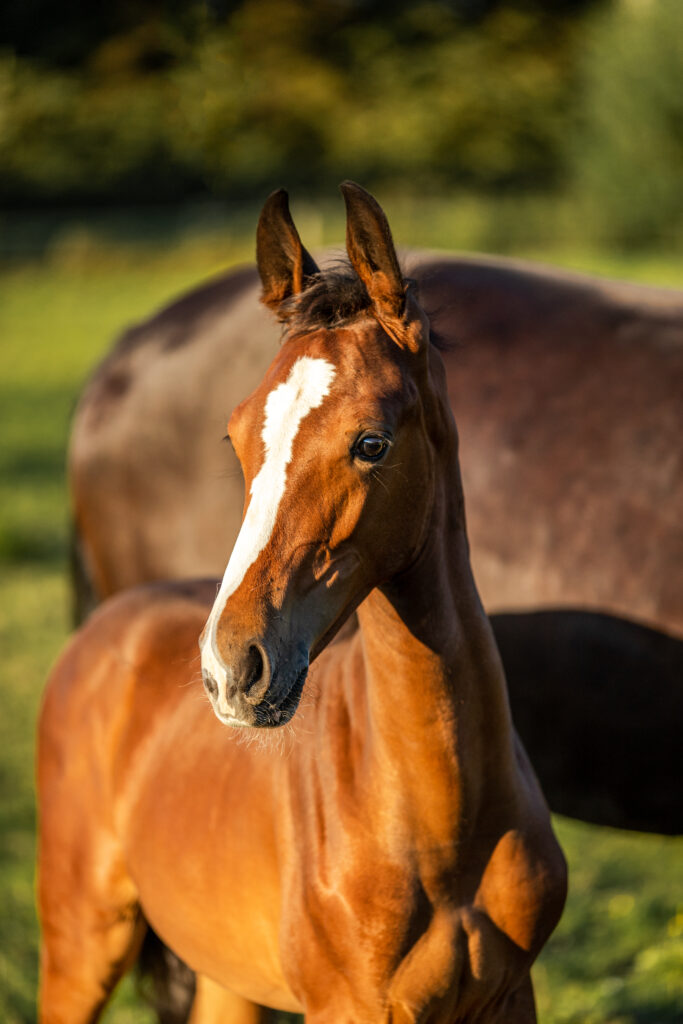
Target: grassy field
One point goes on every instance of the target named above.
(617, 956)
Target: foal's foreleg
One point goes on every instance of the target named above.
(89, 941)
(520, 1007)
(92, 927)
(82, 959)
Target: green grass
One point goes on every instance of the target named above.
(617, 956)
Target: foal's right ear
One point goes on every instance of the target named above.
(283, 263)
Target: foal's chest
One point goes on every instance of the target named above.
(368, 937)
(395, 957)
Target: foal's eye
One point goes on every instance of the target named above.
(371, 447)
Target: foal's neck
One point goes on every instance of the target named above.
(436, 693)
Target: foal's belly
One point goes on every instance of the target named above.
(233, 940)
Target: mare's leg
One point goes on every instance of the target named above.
(214, 1004)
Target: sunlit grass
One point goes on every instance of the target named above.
(617, 957)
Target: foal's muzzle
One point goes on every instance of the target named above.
(245, 691)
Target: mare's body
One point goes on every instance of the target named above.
(567, 393)
(394, 861)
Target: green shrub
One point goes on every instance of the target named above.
(278, 92)
(628, 150)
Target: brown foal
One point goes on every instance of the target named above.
(392, 859)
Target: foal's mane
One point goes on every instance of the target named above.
(335, 297)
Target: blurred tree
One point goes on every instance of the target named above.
(306, 92)
(141, 101)
(627, 150)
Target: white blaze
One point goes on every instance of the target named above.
(308, 382)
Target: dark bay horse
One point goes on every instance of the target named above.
(394, 863)
(567, 391)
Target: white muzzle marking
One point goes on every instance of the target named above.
(308, 382)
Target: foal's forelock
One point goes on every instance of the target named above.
(308, 382)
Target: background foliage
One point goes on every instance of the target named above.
(140, 102)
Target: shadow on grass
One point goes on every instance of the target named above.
(654, 1013)
(27, 546)
(36, 466)
(34, 421)
(27, 236)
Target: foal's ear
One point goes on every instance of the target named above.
(283, 263)
(371, 250)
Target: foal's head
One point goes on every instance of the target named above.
(338, 446)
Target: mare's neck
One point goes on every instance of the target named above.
(436, 694)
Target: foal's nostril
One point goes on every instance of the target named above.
(255, 676)
(210, 684)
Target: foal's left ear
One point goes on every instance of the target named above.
(371, 251)
(283, 263)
